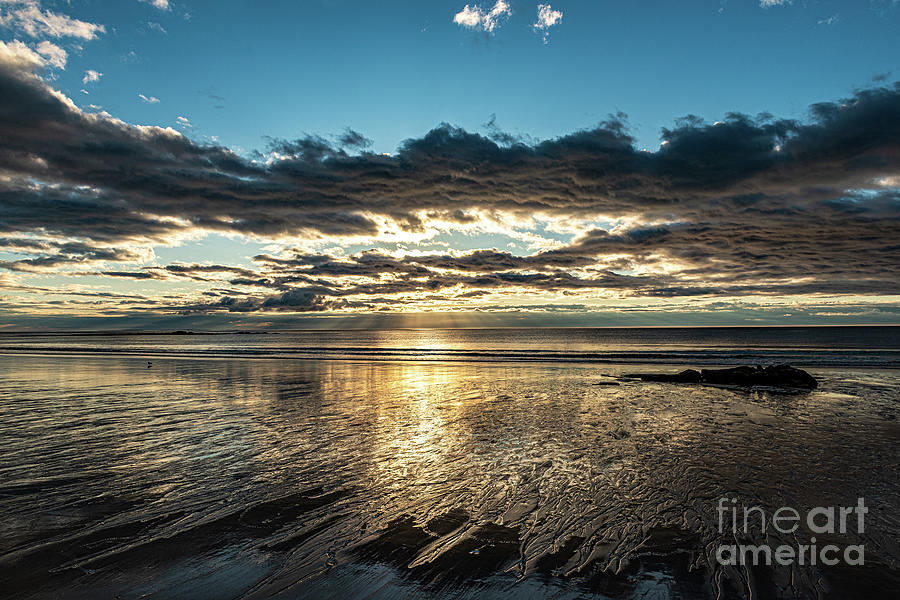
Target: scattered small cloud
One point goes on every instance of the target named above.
(53, 54)
(771, 3)
(498, 135)
(148, 99)
(881, 7)
(91, 76)
(30, 18)
(353, 139)
(157, 27)
(475, 17)
(183, 122)
(829, 21)
(547, 18)
(160, 4)
(210, 92)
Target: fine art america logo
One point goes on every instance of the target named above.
(831, 520)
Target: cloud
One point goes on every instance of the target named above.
(353, 139)
(28, 17)
(91, 76)
(217, 98)
(770, 3)
(547, 18)
(183, 122)
(829, 21)
(475, 17)
(50, 256)
(157, 27)
(160, 4)
(148, 99)
(53, 54)
(17, 56)
(745, 206)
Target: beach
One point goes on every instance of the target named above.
(437, 464)
(354, 300)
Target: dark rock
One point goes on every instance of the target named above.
(772, 376)
(686, 376)
(779, 376)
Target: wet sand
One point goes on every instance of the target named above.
(214, 478)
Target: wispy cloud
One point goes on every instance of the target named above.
(148, 99)
(30, 18)
(157, 27)
(53, 54)
(475, 17)
(770, 3)
(160, 4)
(547, 18)
(829, 21)
(91, 76)
(183, 122)
(213, 95)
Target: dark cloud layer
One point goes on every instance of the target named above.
(748, 205)
(47, 255)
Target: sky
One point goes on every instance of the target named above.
(406, 163)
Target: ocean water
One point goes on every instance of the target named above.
(810, 346)
(437, 463)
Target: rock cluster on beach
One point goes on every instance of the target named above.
(778, 376)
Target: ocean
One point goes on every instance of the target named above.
(808, 346)
(467, 463)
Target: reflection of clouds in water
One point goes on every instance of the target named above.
(304, 464)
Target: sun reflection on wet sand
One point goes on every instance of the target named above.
(260, 478)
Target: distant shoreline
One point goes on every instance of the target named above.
(130, 332)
